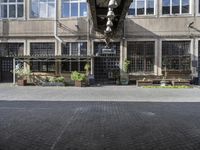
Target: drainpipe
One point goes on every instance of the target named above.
(55, 23)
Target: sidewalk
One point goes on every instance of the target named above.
(102, 93)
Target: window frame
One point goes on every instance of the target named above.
(145, 9)
(177, 40)
(79, 49)
(79, 6)
(38, 7)
(144, 72)
(16, 3)
(180, 9)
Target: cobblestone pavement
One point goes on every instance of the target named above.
(102, 93)
(99, 126)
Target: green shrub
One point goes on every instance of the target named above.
(76, 76)
(60, 79)
(56, 79)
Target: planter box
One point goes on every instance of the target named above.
(180, 83)
(53, 84)
(144, 83)
(80, 83)
(22, 82)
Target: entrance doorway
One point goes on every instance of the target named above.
(6, 68)
(106, 63)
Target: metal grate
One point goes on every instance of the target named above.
(42, 49)
(11, 49)
(106, 66)
(141, 55)
(176, 55)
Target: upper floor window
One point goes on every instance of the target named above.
(11, 8)
(142, 7)
(42, 9)
(75, 49)
(42, 49)
(175, 7)
(74, 8)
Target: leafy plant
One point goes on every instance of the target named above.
(76, 76)
(22, 73)
(87, 68)
(56, 79)
(126, 65)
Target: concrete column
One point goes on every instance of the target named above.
(159, 57)
(92, 59)
(194, 56)
(156, 65)
(123, 53)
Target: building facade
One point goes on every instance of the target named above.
(49, 37)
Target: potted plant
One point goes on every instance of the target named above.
(79, 78)
(87, 68)
(22, 75)
(124, 74)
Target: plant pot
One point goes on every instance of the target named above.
(124, 79)
(144, 83)
(21, 82)
(80, 83)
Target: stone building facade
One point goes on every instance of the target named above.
(160, 37)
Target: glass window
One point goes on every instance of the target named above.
(74, 8)
(42, 66)
(150, 6)
(175, 7)
(185, 6)
(176, 55)
(142, 7)
(11, 49)
(166, 6)
(42, 49)
(11, 9)
(73, 65)
(42, 9)
(141, 56)
(75, 49)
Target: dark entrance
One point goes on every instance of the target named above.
(6, 68)
(106, 63)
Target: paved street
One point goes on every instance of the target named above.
(99, 118)
(102, 93)
(99, 126)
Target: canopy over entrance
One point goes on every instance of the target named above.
(99, 11)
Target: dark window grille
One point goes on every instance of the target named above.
(42, 66)
(73, 65)
(176, 55)
(75, 49)
(66, 49)
(141, 55)
(42, 49)
(11, 49)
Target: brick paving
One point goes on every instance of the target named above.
(99, 126)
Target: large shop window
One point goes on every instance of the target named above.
(141, 55)
(11, 8)
(11, 49)
(176, 55)
(75, 49)
(142, 7)
(74, 8)
(171, 7)
(73, 65)
(42, 8)
(42, 49)
(42, 66)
